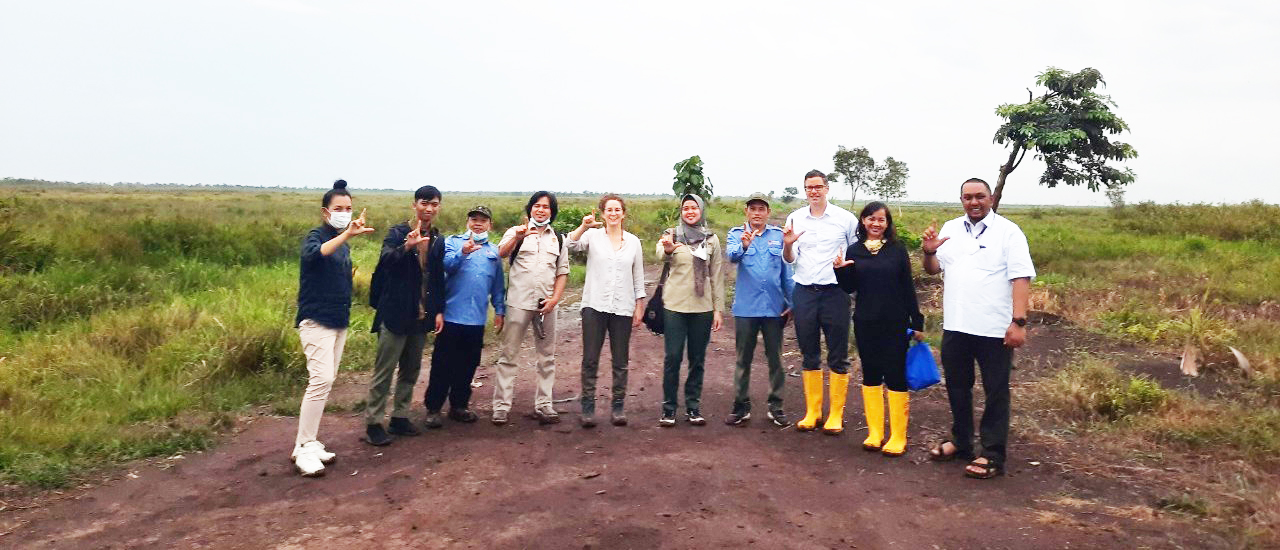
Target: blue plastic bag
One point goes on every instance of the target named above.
(922, 371)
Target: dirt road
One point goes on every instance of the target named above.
(529, 486)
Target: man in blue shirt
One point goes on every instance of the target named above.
(761, 304)
(473, 280)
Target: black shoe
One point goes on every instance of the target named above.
(462, 415)
(695, 418)
(588, 419)
(738, 416)
(433, 420)
(779, 418)
(668, 420)
(402, 426)
(376, 436)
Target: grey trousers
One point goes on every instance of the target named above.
(595, 324)
(405, 351)
(745, 330)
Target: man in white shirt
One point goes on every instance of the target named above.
(813, 237)
(987, 277)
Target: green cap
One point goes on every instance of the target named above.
(482, 209)
(758, 197)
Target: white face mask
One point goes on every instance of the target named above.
(542, 223)
(478, 238)
(339, 220)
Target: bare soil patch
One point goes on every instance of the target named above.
(530, 486)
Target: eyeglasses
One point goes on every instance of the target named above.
(814, 187)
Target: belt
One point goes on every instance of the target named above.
(819, 287)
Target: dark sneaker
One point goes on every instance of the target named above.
(433, 420)
(779, 418)
(376, 436)
(619, 417)
(499, 418)
(668, 420)
(402, 426)
(462, 415)
(546, 414)
(738, 416)
(695, 418)
(588, 421)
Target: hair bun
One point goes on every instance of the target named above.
(340, 184)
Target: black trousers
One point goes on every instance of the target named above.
(882, 349)
(995, 361)
(453, 365)
(595, 324)
(822, 308)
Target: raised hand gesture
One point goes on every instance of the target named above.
(790, 235)
(470, 246)
(668, 243)
(748, 235)
(357, 227)
(841, 262)
(929, 241)
(589, 221)
(414, 237)
(522, 230)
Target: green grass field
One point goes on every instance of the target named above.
(139, 321)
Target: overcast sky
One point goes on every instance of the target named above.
(607, 96)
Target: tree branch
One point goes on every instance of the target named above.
(1015, 165)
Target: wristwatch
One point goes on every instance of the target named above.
(1020, 321)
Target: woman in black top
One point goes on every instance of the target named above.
(324, 310)
(878, 270)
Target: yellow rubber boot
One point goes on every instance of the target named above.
(835, 415)
(899, 411)
(812, 399)
(873, 406)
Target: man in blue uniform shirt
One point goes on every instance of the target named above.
(473, 280)
(761, 304)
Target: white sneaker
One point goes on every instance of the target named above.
(308, 464)
(318, 449)
(315, 448)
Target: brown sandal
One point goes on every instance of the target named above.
(989, 469)
(937, 455)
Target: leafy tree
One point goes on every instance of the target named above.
(1067, 128)
(860, 171)
(689, 179)
(789, 195)
(892, 181)
(856, 166)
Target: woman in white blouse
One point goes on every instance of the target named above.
(612, 300)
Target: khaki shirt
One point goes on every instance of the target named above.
(533, 275)
(678, 294)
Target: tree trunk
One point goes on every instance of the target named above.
(1005, 169)
(853, 203)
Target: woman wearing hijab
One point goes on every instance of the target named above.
(693, 299)
(878, 270)
(324, 311)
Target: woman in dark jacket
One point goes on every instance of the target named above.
(324, 311)
(878, 269)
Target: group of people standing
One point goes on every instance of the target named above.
(826, 269)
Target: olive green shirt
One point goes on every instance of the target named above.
(678, 293)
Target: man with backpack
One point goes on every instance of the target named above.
(539, 269)
(407, 291)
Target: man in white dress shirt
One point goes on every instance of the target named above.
(813, 237)
(987, 274)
